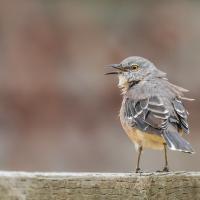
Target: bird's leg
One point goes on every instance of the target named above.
(138, 160)
(166, 168)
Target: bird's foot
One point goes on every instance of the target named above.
(165, 169)
(138, 170)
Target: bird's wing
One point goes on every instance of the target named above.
(151, 115)
(148, 115)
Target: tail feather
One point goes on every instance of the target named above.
(176, 142)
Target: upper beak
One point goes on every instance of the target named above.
(115, 66)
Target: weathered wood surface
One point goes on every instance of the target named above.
(99, 186)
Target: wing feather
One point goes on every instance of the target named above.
(181, 114)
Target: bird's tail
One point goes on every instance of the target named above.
(175, 142)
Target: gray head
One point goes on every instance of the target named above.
(133, 70)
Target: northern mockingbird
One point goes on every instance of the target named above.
(152, 113)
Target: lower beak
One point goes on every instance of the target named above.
(115, 66)
(109, 73)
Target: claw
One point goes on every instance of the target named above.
(165, 169)
(138, 170)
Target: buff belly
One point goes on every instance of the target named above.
(146, 140)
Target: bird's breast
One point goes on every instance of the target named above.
(123, 84)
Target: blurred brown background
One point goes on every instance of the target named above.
(58, 112)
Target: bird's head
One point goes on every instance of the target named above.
(133, 70)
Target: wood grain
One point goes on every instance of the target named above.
(99, 186)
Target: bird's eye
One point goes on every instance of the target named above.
(134, 67)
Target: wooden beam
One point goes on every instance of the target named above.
(99, 186)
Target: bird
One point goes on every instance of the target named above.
(152, 112)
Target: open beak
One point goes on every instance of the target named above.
(115, 66)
